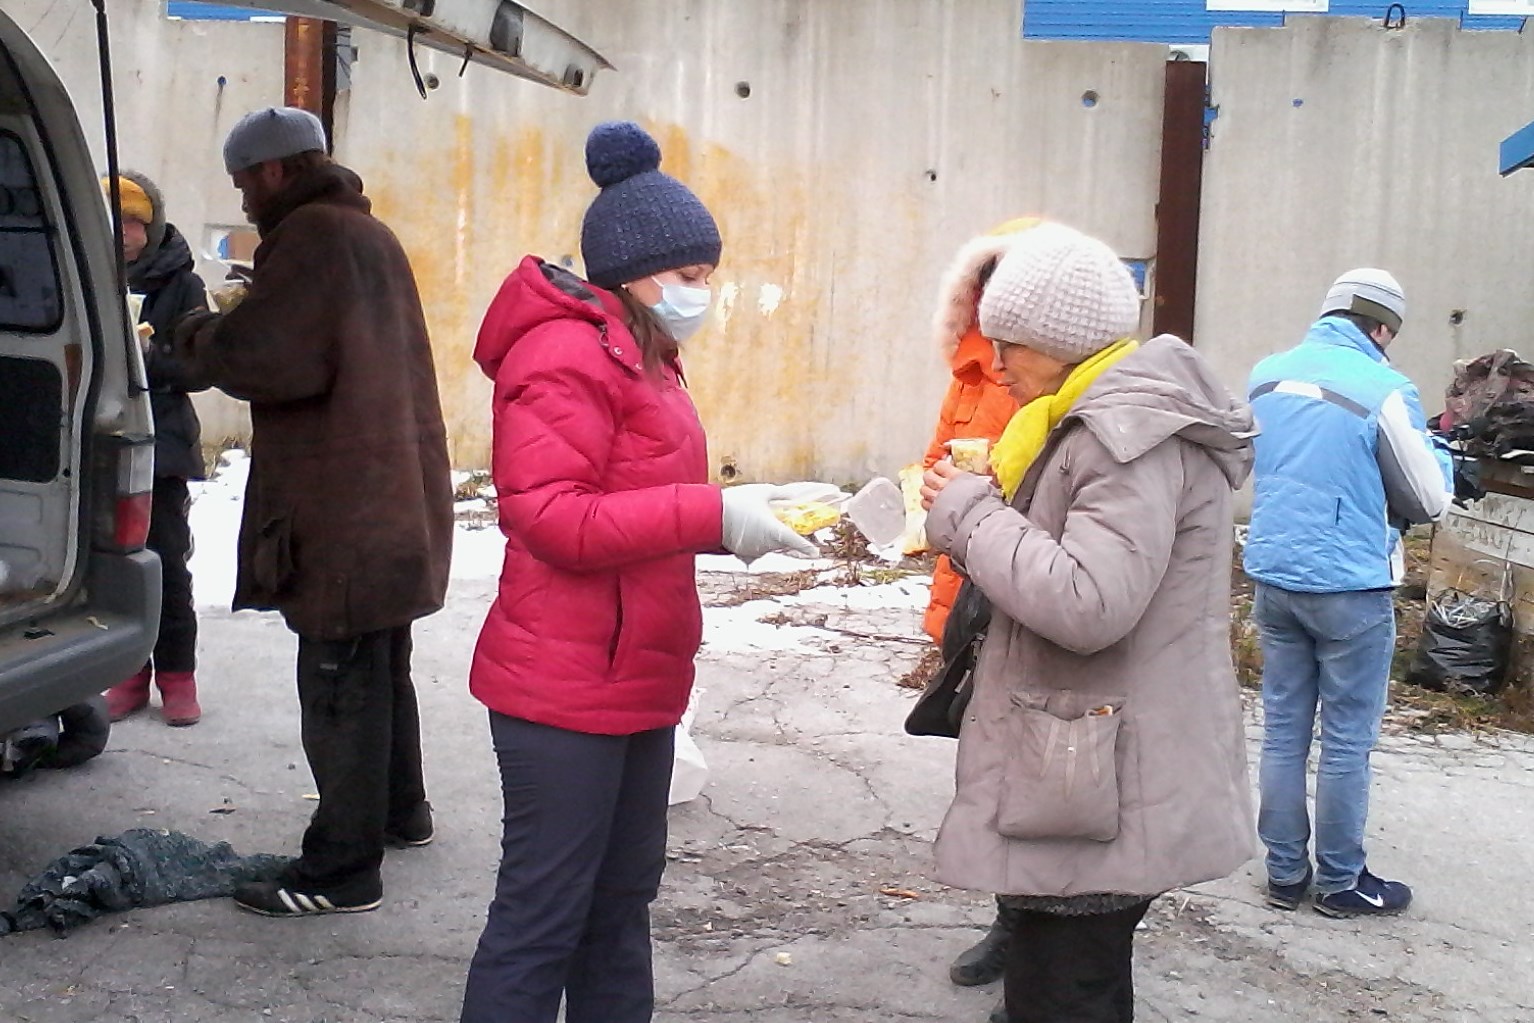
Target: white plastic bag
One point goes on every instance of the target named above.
(689, 771)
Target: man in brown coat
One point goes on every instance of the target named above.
(347, 527)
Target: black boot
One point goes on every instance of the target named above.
(998, 1014)
(984, 962)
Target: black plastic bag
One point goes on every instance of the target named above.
(940, 709)
(1465, 646)
(1506, 427)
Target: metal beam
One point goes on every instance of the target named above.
(1518, 150)
(1178, 205)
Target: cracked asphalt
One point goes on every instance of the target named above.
(798, 887)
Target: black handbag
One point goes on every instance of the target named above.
(940, 708)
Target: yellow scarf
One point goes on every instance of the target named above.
(1030, 425)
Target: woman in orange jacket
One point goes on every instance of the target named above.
(976, 405)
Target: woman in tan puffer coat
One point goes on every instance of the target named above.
(1102, 759)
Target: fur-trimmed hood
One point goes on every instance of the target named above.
(959, 292)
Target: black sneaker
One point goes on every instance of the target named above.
(300, 898)
(1289, 896)
(415, 831)
(1369, 896)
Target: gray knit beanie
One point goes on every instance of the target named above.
(272, 134)
(1369, 292)
(643, 222)
(1061, 293)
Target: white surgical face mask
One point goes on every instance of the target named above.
(682, 309)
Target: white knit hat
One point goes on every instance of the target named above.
(272, 134)
(1369, 292)
(1061, 293)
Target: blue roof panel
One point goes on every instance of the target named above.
(192, 10)
(1191, 21)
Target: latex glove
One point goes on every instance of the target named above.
(750, 527)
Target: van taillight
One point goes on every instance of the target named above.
(123, 513)
(131, 529)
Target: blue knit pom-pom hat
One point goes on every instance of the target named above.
(643, 222)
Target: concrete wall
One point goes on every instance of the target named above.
(878, 135)
(1338, 144)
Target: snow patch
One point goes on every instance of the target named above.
(739, 629)
(909, 594)
(765, 565)
(477, 553)
(217, 504)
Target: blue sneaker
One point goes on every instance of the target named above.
(1289, 896)
(1369, 896)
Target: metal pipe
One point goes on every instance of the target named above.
(109, 115)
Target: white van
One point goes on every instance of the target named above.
(79, 594)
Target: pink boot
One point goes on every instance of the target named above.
(178, 698)
(129, 697)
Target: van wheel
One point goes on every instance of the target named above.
(83, 733)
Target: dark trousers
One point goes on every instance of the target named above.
(1072, 969)
(362, 735)
(170, 536)
(582, 854)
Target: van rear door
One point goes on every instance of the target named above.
(497, 33)
(45, 368)
(79, 594)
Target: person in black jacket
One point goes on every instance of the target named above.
(160, 265)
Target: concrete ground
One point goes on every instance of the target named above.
(797, 888)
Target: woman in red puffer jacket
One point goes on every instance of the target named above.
(586, 658)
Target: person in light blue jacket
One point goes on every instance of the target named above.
(1344, 465)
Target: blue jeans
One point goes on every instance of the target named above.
(1331, 649)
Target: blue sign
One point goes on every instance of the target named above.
(1192, 21)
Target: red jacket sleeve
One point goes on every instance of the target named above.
(557, 417)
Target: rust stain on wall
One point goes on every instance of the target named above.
(756, 362)
(436, 220)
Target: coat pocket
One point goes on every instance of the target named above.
(1061, 774)
(271, 556)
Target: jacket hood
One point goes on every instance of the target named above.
(959, 291)
(1164, 390)
(155, 230)
(974, 359)
(537, 293)
(153, 269)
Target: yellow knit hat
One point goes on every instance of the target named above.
(135, 201)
